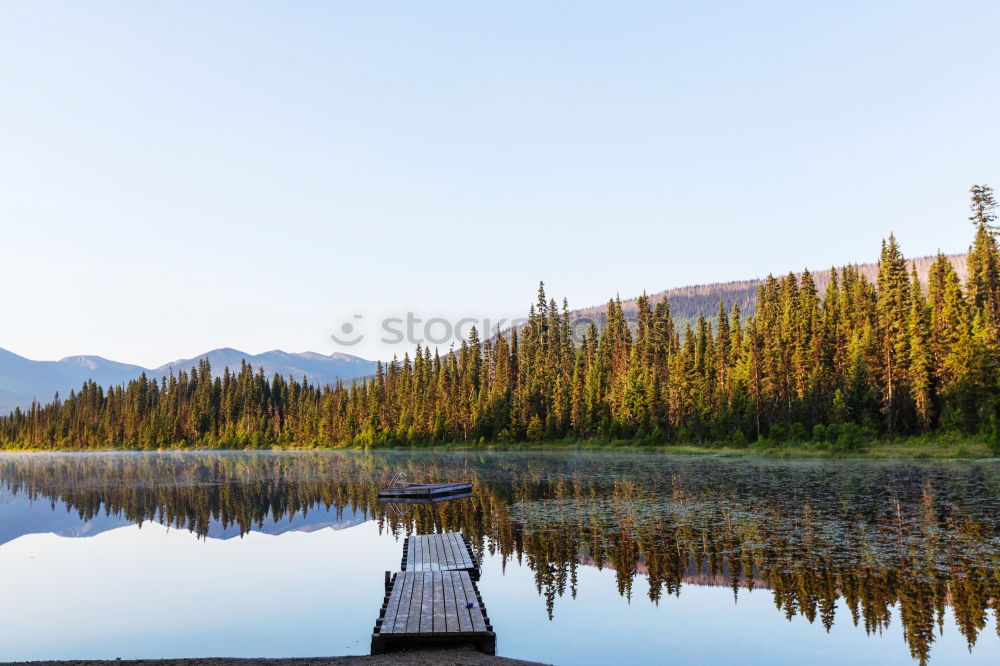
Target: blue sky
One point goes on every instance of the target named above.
(181, 176)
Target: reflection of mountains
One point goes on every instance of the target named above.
(883, 539)
(20, 516)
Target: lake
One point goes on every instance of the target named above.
(587, 557)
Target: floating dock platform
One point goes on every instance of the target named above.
(449, 551)
(430, 608)
(425, 491)
(423, 500)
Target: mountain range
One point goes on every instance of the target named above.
(23, 380)
(20, 516)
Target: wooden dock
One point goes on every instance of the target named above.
(425, 491)
(424, 608)
(439, 552)
(423, 500)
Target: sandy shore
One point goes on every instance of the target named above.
(450, 657)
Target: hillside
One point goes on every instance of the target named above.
(687, 303)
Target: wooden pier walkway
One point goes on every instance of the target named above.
(439, 552)
(424, 491)
(423, 608)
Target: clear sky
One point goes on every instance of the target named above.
(181, 176)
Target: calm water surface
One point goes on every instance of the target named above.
(587, 557)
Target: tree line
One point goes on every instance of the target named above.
(893, 357)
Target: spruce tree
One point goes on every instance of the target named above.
(983, 261)
(892, 314)
(920, 377)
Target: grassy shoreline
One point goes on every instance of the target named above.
(939, 447)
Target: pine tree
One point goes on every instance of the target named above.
(984, 261)
(892, 313)
(920, 377)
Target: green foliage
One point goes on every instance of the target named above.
(837, 370)
(849, 437)
(534, 431)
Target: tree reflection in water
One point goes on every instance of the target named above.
(917, 536)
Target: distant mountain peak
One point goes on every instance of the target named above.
(23, 380)
(340, 356)
(85, 361)
(314, 355)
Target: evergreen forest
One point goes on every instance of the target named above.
(859, 360)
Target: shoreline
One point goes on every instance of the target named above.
(916, 448)
(466, 656)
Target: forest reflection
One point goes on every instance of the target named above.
(918, 537)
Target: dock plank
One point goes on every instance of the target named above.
(439, 552)
(452, 554)
(440, 626)
(403, 612)
(418, 552)
(413, 612)
(427, 604)
(476, 613)
(447, 555)
(391, 608)
(450, 605)
(459, 552)
(464, 616)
